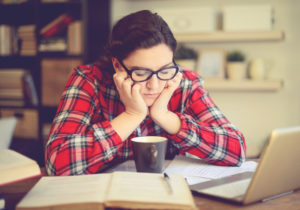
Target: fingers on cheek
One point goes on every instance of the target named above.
(118, 78)
(127, 82)
(117, 81)
(136, 89)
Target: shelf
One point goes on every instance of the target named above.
(17, 61)
(243, 85)
(220, 36)
(58, 54)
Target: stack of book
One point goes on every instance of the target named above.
(8, 40)
(17, 88)
(27, 36)
(54, 34)
(12, 1)
(53, 44)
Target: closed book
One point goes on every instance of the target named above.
(11, 78)
(15, 167)
(53, 44)
(129, 190)
(56, 26)
(30, 52)
(11, 93)
(26, 29)
(6, 40)
(30, 90)
(12, 102)
(75, 38)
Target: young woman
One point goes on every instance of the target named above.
(137, 89)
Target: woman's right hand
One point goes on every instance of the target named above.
(130, 95)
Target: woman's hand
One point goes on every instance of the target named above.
(159, 110)
(130, 95)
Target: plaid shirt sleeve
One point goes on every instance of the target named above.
(76, 145)
(205, 132)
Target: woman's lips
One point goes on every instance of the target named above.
(151, 95)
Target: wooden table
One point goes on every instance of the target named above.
(289, 202)
(15, 192)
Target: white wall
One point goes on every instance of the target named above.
(254, 113)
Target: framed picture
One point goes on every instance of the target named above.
(211, 63)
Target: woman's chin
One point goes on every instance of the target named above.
(149, 102)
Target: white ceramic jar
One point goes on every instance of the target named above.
(257, 70)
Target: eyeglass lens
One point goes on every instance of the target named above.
(144, 74)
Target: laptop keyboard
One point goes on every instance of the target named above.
(230, 190)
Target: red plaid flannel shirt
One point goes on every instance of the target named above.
(82, 140)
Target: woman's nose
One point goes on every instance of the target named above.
(153, 82)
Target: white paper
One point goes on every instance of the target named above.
(7, 128)
(192, 168)
(52, 190)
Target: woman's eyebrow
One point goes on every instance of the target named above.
(139, 67)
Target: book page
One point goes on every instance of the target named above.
(54, 191)
(191, 168)
(11, 159)
(15, 166)
(147, 189)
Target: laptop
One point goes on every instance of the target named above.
(277, 174)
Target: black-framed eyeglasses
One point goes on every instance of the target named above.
(144, 74)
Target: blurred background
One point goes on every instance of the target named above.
(247, 52)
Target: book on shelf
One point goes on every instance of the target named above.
(11, 93)
(17, 88)
(11, 87)
(15, 167)
(12, 102)
(29, 90)
(109, 190)
(11, 78)
(28, 43)
(13, 1)
(53, 44)
(56, 26)
(26, 29)
(8, 40)
(75, 38)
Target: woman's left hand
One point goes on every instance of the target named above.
(160, 107)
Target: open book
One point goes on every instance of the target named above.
(117, 190)
(16, 167)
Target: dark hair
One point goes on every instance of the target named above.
(142, 29)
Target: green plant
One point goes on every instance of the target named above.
(235, 56)
(184, 52)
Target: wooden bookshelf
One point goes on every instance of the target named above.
(221, 36)
(243, 85)
(93, 16)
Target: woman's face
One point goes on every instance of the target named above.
(154, 58)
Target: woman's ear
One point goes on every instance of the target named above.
(117, 66)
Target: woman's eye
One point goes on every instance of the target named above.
(165, 72)
(141, 73)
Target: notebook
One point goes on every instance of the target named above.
(277, 173)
